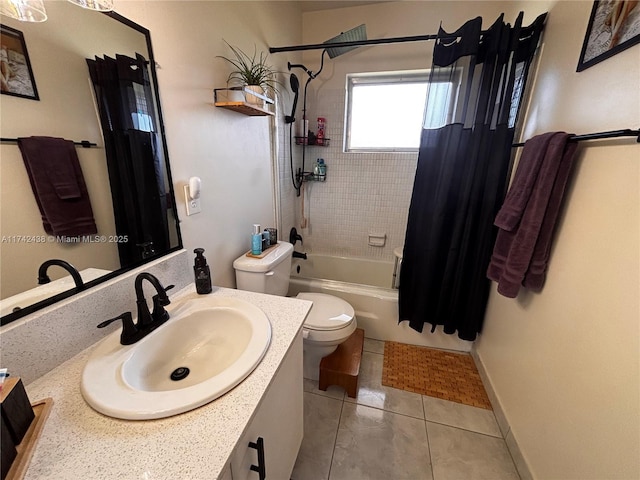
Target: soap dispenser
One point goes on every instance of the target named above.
(202, 272)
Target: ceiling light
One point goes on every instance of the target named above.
(99, 5)
(24, 10)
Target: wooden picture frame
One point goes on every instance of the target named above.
(17, 76)
(614, 26)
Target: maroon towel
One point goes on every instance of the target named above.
(509, 216)
(522, 249)
(58, 185)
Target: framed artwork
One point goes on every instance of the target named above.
(17, 76)
(614, 26)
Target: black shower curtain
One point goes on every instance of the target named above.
(134, 155)
(462, 175)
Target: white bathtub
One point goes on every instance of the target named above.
(366, 285)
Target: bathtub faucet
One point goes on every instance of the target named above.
(299, 255)
(294, 236)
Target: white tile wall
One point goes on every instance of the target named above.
(363, 193)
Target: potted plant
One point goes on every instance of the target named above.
(252, 72)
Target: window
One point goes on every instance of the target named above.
(141, 119)
(385, 111)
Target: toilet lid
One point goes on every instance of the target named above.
(328, 312)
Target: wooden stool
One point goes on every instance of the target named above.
(343, 365)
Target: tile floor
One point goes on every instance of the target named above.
(390, 434)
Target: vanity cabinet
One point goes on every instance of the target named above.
(277, 425)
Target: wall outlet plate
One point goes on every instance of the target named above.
(193, 206)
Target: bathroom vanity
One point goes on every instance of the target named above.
(219, 440)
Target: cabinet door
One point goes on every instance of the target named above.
(226, 474)
(278, 421)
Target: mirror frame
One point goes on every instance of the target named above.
(69, 293)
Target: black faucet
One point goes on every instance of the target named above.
(44, 278)
(294, 236)
(159, 315)
(147, 321)
(130, 333)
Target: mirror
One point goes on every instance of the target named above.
(69, 107)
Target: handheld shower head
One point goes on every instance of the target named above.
(295, 87)
(294, 82)
(299, 65)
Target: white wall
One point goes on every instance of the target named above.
(229, 151)
(564, 363)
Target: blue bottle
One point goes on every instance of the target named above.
(322, 170)
(256, 240)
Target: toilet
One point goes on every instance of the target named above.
(329, 323)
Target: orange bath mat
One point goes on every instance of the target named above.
(436, 373)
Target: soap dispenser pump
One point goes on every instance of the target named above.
(202, 272)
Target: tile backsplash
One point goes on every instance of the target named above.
(364, 192)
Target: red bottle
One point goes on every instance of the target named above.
(320, 134)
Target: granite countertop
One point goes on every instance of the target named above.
(78, 442)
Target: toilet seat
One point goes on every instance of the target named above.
(327, 313)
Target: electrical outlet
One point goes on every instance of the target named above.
(193, 205)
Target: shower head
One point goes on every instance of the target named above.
(354, 35)
(295, 86)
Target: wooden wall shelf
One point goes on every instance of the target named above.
(222, 99)
(244, 108)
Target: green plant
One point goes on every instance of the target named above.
(251, 70)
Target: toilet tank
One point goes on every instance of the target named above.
(269, 274)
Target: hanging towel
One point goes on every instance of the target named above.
(508, 218)
(528, 217)
(58, 186)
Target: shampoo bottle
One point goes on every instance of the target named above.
(316, 170)
(202, 272)
(322, 170)
(256, 240)
(321, 126)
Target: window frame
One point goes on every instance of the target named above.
(389, 78)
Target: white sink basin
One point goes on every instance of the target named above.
(209, 345)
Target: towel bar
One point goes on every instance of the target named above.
(600, 135)
(81, 143)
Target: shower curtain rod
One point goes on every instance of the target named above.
(600, 135)
(375, 41)
(81, 143)
(355, 43)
